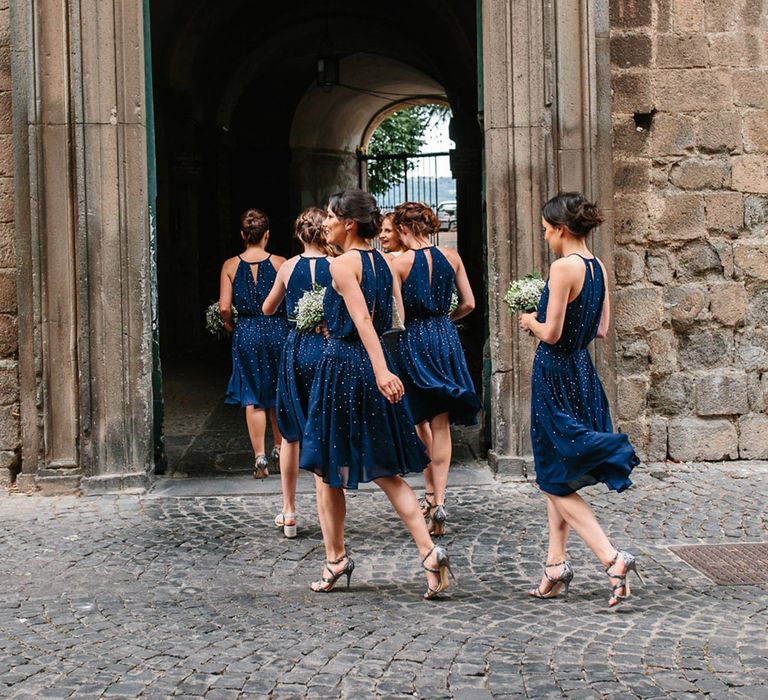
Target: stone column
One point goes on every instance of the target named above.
(83, 242)
(542, 110)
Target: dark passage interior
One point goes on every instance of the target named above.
(241, 121)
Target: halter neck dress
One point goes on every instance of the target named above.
(573, 440)
(431, 359)
(303, 350)
(258, 340)
(353, 434)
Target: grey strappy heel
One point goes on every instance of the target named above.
(561, 582)
(261, 467)
(442, 570)
(326, 584)
(426, 504)
(630, 564)
(438, 518)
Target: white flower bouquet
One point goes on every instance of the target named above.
(524, 294)
(214, 323)
(309, 309)
(454, 302)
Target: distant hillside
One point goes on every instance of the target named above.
(420, 189)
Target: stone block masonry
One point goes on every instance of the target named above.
(9, 393)
(690, 143)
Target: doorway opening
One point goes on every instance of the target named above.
(268, 106)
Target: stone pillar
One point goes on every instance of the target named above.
(542, 107)
(83, 245)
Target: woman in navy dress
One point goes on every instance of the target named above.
(573, 440)
(302, 353)
(359, 428)
(430, 357)
(257, 340)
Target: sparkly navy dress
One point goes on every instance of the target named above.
(431, 359)
(573, 440)
(353, 434)
(303, 351)
(258, 340)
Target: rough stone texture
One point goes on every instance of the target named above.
(753, 436)
(9, 413)
(701, 218)
(697, 438)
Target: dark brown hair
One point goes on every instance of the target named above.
(416, 217)
(309, 229)
(359, 206)
(574, 211)
(254, 224)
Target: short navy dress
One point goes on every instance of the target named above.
(573, 440)
(431, 359)
(353, 434)
(303, 351)
(258, 340)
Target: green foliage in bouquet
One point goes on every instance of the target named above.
(309, 309)
(524, 294)
(214, 323)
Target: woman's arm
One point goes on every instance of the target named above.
(563, 278)
(397, 286)
(225, 297)
(463, 291)
(344, 271)
(277, 293)
(605, 316)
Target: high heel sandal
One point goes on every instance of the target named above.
(274, 457)
(260, 467)
(630, 564)
(442, 570)
(289, 531)
(563, 581)
(437, 520)
(426, 505)
(325, 585)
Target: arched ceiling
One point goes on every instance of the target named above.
(338, 120)
(237, 58)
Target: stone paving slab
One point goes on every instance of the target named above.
(200, 597)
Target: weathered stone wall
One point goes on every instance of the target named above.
(9, 390)
(691, 201)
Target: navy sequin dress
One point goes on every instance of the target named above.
(353, 434)
(303, 351)
(573, 440)
(431, 359)
(258, 340)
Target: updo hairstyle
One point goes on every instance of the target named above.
(418, 218)
(254, 224)
(574, 211)
(359, 206)
(310, 230)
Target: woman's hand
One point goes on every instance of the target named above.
(229, 326)
(524, 321)
(323, 328)
(390, 386)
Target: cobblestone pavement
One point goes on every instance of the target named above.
(122, 597)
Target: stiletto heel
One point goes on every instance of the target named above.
(561, 582)
(442, 570)
(260, 467)
(438, 518)
(426, 505)
(274, 457)
(326, 584)
(630, 564)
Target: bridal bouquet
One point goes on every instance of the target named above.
(309, 309)
(523, 295)
(214, 324)
(454, 302)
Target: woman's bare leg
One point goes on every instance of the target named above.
(441, 456)
(558, 540)
(332, 510)
(424, 432)
(289, 474)
(404, 500)
(276, 436)
(256, 421)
